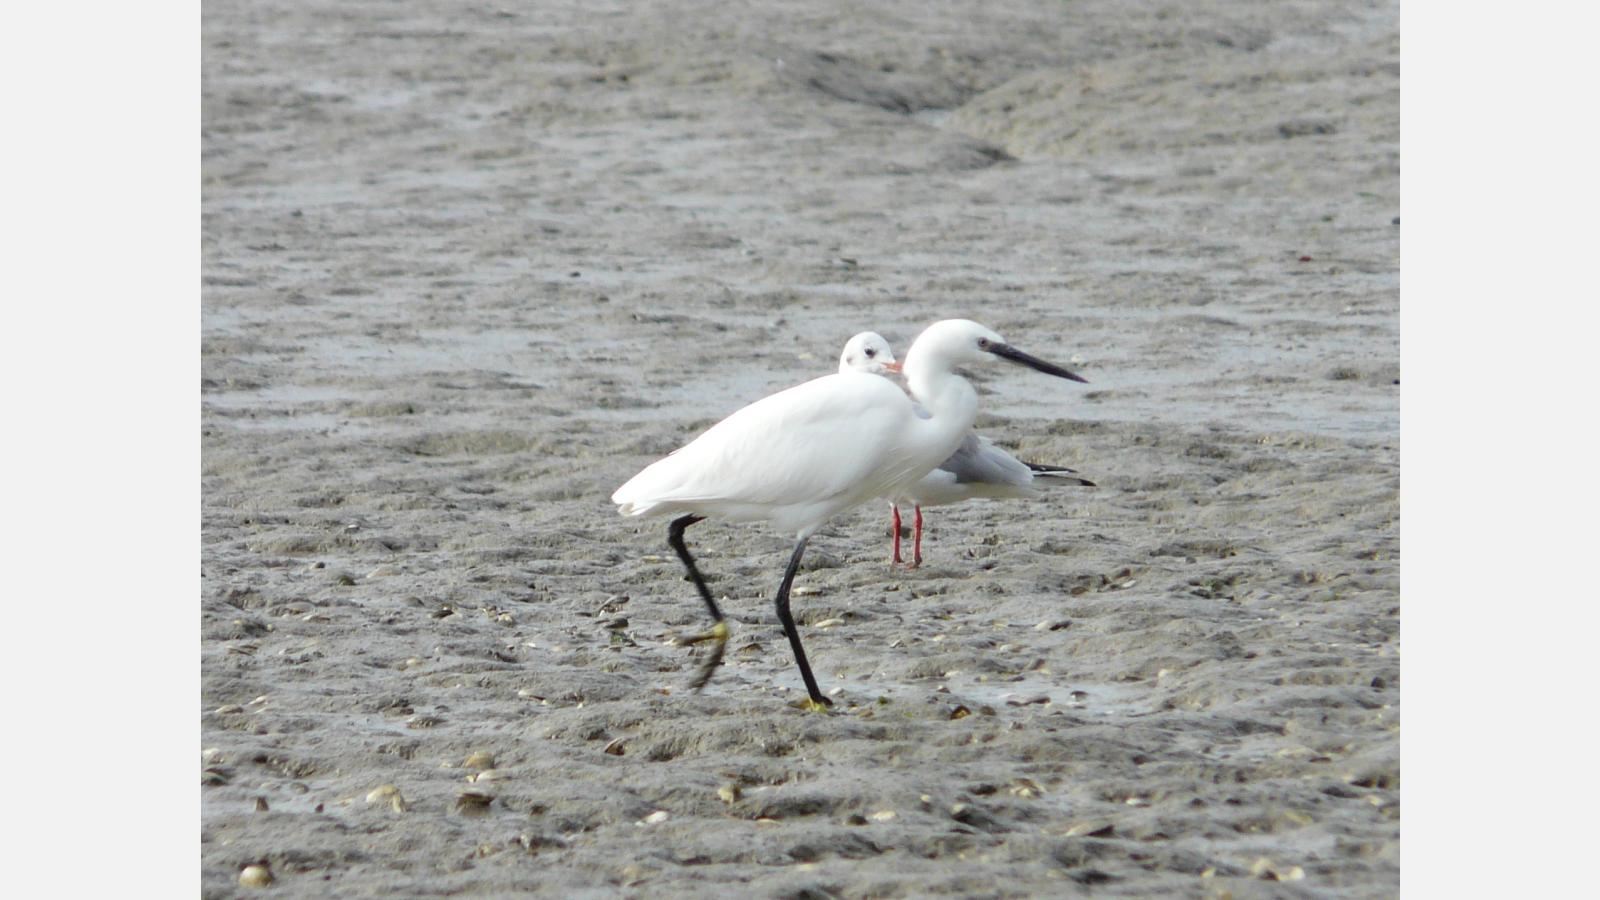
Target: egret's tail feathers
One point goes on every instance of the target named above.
(1058, 475)
(627, 500)
(633, 509)
(643, 492)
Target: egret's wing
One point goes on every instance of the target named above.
(814, 441)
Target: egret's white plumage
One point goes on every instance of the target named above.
(795, 458)
(800, 456)
(977, 469)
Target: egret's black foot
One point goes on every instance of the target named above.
(819, 704)
(718, 635)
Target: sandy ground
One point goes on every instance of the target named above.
(469, 267)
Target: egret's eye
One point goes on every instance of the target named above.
(983, 343)
(871, 353)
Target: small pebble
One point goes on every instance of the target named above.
(729, 793)
(473, 803)
(256, 876)
(617, 747)
(655, 818)
(261, 804)
(481, 759)
(1026, 787)
(382, 792)
(884, 815)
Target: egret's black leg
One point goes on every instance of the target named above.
(675, 538)
(916, 541)
(718, 634)
(817, 699)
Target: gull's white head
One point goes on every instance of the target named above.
(867, 352)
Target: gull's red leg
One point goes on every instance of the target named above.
(896, 510)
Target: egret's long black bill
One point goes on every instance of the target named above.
(1033, 362)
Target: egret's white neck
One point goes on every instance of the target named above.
(950, 398)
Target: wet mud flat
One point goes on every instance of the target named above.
(467, 269)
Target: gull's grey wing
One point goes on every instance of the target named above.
(980, 462)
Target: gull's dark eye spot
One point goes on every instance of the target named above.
(983, 343)
(871, 353)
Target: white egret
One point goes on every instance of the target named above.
(798, 457)
(977, 469)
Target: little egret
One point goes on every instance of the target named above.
(798, 457)
(977, 469)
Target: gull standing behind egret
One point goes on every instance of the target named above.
(796, 458)
(976, 469)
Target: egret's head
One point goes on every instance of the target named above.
(956, 342)
(868, 352)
